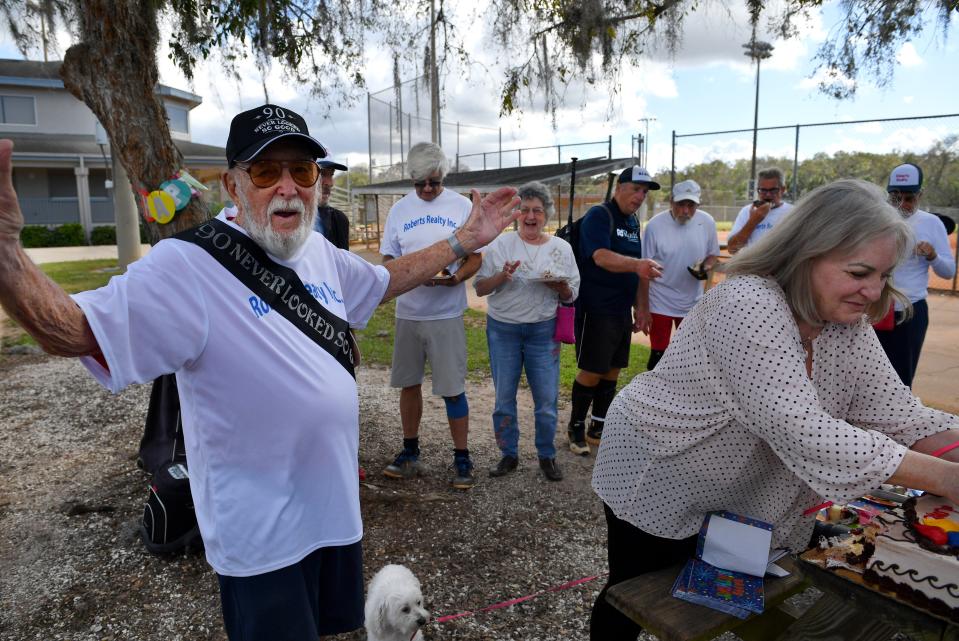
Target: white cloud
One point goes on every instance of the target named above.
(908, 99)
(908, 56)
(868, 128)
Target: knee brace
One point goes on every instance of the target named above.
(456, 406)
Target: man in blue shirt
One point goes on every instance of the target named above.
(613, 302)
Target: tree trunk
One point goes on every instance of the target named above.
(113, 70)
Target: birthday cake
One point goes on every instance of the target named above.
(916, 554)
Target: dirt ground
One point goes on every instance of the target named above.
(72, 566)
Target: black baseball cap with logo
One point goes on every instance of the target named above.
(252, 131)
(638, 175)
(329, 164)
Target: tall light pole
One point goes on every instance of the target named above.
(644, 160)
(758, 51)
(436, 127)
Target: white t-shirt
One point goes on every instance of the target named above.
(523, 300)
(729, 420)
(677, 247)
(415, 224)
(912, 276)
(270, 419)
(773, 217)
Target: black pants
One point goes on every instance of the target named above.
(631, 552)
(904, 341)
(319, 596)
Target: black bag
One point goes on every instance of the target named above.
(169, 521)
(570, 232)
(162, 439)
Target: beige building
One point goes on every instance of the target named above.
(63, 168)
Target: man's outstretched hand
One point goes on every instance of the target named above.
(11, 219)
(489, 217)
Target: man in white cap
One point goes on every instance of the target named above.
(758, 217)
(683, 240)
(330, 221)
(613, 302)
(272, 447)
(903, 342)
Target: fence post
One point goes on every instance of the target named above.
(520, 155)
(369, 137)
(672, 165)
(391, 135)
(559, 154)
(796, 167)
(609, 153)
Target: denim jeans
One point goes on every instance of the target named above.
(514, 347)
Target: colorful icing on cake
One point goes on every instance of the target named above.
(913, 557)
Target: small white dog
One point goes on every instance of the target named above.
(394, 606)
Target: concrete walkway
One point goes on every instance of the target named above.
(937, 381)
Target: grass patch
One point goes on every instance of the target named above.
(376, 347)
(81, 275)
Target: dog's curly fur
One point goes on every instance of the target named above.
(394, 606)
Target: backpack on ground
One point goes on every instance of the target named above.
(168, 523)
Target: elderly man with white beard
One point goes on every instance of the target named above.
(252, 316)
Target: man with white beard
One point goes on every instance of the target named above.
(683, 240)
(272, 445)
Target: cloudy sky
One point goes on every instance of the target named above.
(709, 85)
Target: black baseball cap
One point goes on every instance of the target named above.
(638, 175)
(334, 165)
(251, 132)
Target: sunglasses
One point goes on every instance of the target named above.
(433, 184)
(266, 173)
(897, 197)
(771, 190)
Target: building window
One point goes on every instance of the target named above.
(62, 183)
(179, 118)
(17, 110)
(97, 183)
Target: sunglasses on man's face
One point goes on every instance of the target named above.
(898, 198)
(266, 173)
(421, 184)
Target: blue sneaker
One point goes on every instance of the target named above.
(463, 473)
(405, 466)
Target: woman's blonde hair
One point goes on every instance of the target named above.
(839, 217)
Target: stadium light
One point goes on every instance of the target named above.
(756, 50)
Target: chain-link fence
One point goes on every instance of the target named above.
(813, 154)
(399, 117)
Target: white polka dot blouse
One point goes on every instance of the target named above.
(730, 420)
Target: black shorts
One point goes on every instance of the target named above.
(321, 595)
(602, 341)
